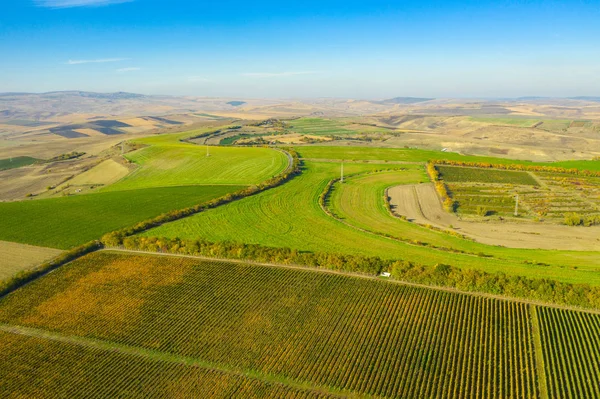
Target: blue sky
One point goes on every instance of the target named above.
(358, 49)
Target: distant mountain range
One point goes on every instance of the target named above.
(404, 100)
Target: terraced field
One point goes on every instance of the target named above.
(69, 221)
(290, 216)
(115, 315)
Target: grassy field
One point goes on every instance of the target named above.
(290, 216)
(323, 331)
(172, 163)
(474, 175)
(388, 154)
(16, 162)
(318, 127)
(69, 221)
(17, 257)
(416, 155)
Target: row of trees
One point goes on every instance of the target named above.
(516, 166)
(545, 290)
(441, 188)
(115, 238)
(575, 219)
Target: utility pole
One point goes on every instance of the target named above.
(517, 205)
(207, 153)
(342, 173)
(122, 148)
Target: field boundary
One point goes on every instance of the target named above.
(111, 346)
(356, 275)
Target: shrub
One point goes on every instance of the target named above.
(573, 219)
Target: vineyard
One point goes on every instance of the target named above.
(325, 332)
(494, 192)
(475, 175)
(42, 368)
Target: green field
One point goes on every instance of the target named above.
(168, 162)
(475, 175)
(325, 332)
(16, 162)
(415, 155)
(289, 216)
(69, 221)
(318, 127)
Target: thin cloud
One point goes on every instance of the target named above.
(76, 3)
(130, 69)
(277, 74)
(77, 62)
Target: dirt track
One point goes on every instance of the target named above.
(420, 203)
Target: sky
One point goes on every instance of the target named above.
(300, 49)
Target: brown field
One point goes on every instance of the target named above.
(16, 257)
(421, 204)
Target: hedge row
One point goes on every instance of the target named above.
(515, 166)
(544, 290)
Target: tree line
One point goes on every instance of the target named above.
(441, 188)
(516, 166)
(545, 290)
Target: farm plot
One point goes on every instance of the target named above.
(40, 368)
(69, 221)
(453, 174)
(318, 127)
(567, 193)
(482, 199)
(17, 257)
(167, 162)
(16, 162)
(348, 334)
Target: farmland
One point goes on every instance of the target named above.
(289, 216)
(543, 195)
(36, 367)
(17, 257)
(318, 127)
(16, 162)
(65, 222)
(325, 332)
(168, 162)
(474, 175)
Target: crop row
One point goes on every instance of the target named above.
(34, 367)
(571, 350)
